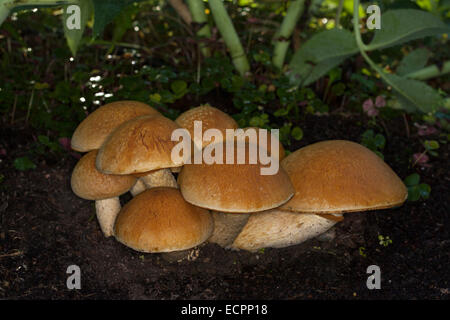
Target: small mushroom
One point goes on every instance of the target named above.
(233, 191)
(92, 132)
(211, 118)
(88, 183)
(141, 146)
(159, 220)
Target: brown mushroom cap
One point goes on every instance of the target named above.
(212, 118)
(88, 183)
(238, 188)
(93, 131)
(338, 176)
(138, 145)
(160, 220)
(281, 151)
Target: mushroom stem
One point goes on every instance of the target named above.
(278, 229)
(107, 211)
(227, 227)
(160, 178)
(138, 187)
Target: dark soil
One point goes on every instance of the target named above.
(44, 228)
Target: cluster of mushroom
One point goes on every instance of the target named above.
(129, 147)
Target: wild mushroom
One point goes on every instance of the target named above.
(258, 132)
(233, 191)
(88, 183)
(95, 128)
(330, 178)
(337, 176)
(159, 220)
(141, 145)
(210, 117)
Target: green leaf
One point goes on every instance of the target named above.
(123, 22)
(424, 190)
(73, 36)
(412, 180)
(178, 86)
(402, 25)
(281, 112)
(155, 97)
(321, 53)
(105, 11)
(380, 141)
(23, 164)
(414, 61)
(297, 133)
(431, 144)
(414, 94)
(413, 193)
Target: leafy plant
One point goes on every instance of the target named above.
(374, 142)
(416, 190)
(327, 49)
(23, 164)
(384, 241)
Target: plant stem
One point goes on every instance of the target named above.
(430, 72)
(197, 8)
(293, 13)
(229, 35)
(338, 14)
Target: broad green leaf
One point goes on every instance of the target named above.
(320, 54)
(402, 25)
(414, 61)
(105, 11)
(413, 94)
(73, 36)
(123, 22)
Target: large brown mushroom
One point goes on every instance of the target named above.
(330, 178)
(233, 191)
